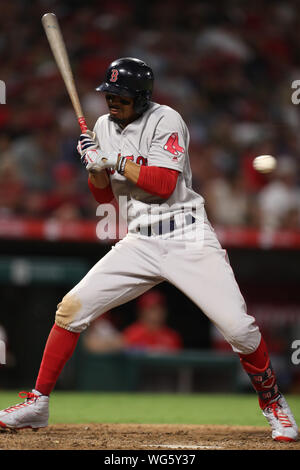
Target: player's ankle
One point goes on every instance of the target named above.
(39, 393)
(265, 403)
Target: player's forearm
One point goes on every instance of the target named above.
(132, 171)
(154, 180)
(99, 185)
(99, 179)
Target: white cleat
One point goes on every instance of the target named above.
(281, 420)
(32, 413)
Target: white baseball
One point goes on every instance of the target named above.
(264, 163)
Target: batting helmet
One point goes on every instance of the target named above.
(129, 77)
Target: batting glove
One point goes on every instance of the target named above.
(85, 143)
(91, 156)
(94, 161)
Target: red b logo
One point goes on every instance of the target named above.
(114, 75)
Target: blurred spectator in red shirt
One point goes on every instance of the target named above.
(150, 332)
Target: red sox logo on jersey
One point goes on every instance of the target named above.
(172, 146)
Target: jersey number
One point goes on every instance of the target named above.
(140, 161)
(172, 144)
(114, 75)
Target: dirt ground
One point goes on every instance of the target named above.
(142, 437)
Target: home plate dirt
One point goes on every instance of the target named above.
(142, 437)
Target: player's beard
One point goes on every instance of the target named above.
(117, 120)
(123, 122)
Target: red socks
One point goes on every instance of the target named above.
(259, 368)
(58, 350)
(259, 358)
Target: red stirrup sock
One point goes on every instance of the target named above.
(260, 371)
(58, 350)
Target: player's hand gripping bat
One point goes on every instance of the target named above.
(58, 47)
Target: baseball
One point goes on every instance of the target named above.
(264, 163)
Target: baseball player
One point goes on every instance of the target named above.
(140, 154)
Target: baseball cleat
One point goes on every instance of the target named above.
(32, 413)
(281, 420)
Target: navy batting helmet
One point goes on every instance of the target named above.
(129, 77)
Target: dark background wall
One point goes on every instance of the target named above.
(28, 309)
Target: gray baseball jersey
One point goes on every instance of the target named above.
(158, 138)
(137, 263)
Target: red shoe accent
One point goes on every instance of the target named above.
(283, 418)
(30, 397)
(285, 439)
(24, 394)
(4, 426)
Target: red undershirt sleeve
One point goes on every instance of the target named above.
(157, 181)
(102, 195)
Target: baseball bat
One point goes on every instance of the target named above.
(57, 44)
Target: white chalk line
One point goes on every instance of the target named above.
(183, 446)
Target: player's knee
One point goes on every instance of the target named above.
(67, 310)
(244, 339)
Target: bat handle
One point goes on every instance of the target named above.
(82, 124)
(84, 128)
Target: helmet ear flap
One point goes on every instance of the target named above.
(141, 102)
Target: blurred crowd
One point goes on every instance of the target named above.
(149, 332)
(226, 66)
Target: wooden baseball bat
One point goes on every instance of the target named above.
(57, 44)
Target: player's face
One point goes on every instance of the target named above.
(120, 108)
